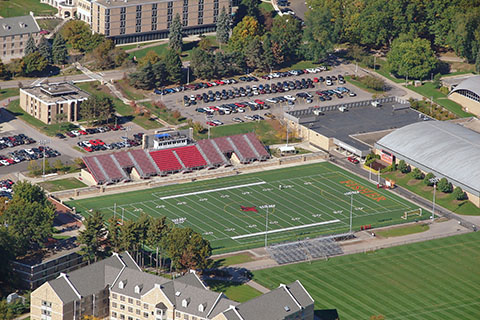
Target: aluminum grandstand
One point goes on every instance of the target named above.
(142, 164)
(304, 250)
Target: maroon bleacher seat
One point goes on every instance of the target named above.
(190, 156)
(244, 147)
(123, 159)
(211, 152)
(144, 162)
(223, 144)
(166, 160)
(94, 170)
(257, 145)
(113, 171)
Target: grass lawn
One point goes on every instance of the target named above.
(49, 129)
(13, 8)
(267, 6)
(436, 279)
(381, 68)
(311, 203)
(7, 93)
(164, 114)
(267, 131)
(59, 237)
(361, 85)
(428, 90)
(130, 92)
(62, 184)
(232, 260)
(234, 290)
(139, 45)
(404, 230)
(444, 199)
(48, 24)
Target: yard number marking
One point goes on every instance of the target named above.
(179, 220)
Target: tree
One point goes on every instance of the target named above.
(157, 234)
(29, 216)
(205, 43)
(321, 32)
(143, 78)
(250, 7)
(7, 254)
(477, 63)
(187, 249)
(97, 108)
(253, 53)
(77, 33)
(403, 167)
(173, 66)
(160, 73)
(4, 73)
(459, 194)
(34, 64)
(411, 57)
(175, 36)
(444, 186)
(128, 236)
(417, 174)
(45, 49)
(151, 56)
(202, 64)
(113, 234)
(93, 237)
(59, 49)
(427, 178)
(107, 56)
(243, 33)
(286, 34)
(30, 46)
(223, 27)
(437, 81)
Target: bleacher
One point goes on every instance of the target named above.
(304, 250)
(166, 161)
(191, 157)
(116, 167)
(212, 155)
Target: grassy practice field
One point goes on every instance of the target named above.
(13, 8)
(432, 280)
(310, 202)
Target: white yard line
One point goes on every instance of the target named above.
(284, 229)
(212, 190)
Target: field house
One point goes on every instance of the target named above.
(302, 201)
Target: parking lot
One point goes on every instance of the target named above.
(175, 101)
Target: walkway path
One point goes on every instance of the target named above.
(257, 286)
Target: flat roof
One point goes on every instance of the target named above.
(344, 126)
(51, 93)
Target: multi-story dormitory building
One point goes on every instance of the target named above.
(127, 21)
(117, 289)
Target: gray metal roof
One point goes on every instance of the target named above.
(471, 84)
(451, 150)
(18, 25)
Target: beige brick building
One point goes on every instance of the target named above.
(467, 94)
(14, 33)
(53, 102)
(117, 289)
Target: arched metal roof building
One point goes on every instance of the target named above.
(469, 88)
(443, 148)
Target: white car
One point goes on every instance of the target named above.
(75, 132)
(321, 68)
(352, 94)
(5, 162)
(29, 151)
(289, 97)
(311, 70)
(241, 110)
(328, 82)
(87, 144)
(271, 100)
(249, 117)
(237, 120)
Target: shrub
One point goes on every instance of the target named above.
(417, 174)
(444, 186)
(427, 178)
(459, 194)
(370, 158)
(403, 167)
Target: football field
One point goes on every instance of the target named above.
(231, 212)
(431, 280)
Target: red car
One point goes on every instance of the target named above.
(259, 102)
(212, 124)
(219, 82)
(83, 132)
(93, 142)
(353, 160)
(71, 135)
(315, 79)
(88, 149)
(99, 142)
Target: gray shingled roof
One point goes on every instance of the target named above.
(18, 25)
(133, 277)
(63, 290)
(448, 149)
(471, 84)
(276, 304)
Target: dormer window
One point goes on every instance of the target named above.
(201, 307)
(138, 288)
(185, 302)
(122, 284)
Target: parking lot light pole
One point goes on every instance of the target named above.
(266, 206)
(43, 143)
(434, 181)
(351, 193)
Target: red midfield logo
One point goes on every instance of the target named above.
(254, 209)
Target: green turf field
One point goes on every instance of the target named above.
(430, 280)
(311, 201)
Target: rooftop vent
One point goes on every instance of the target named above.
(178, 293)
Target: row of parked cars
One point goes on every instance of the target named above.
(294, 73)
(98, 145)
(16, 140)
(78, 133)
(6, 187)
(28, 154)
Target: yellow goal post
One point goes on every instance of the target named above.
(414, 212)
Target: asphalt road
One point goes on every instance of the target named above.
(297, 6)
(174, 101)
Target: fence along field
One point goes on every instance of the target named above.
(309, 200)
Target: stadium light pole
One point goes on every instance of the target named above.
(351, 193)
(434, 181)
(266, 206)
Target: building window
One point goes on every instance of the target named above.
(177, 314)
(122, 307)
(130, 300)
(130, 309)
(114, 314)
(185, 316)
(137, 311)
(145, 314)
(114, 304)
(122, 298)
(139, 303)
(138, 29)
(122, 30)
(130, 318)
(122, 316)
